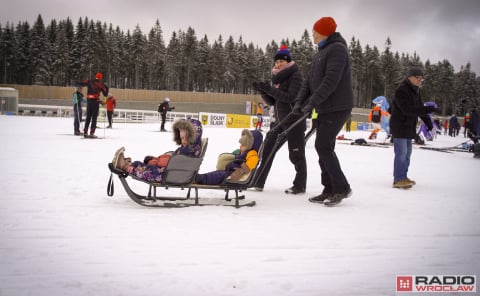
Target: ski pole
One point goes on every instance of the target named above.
(104, 119)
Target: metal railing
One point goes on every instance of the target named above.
(120, 115)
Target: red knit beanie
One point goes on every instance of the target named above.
(325, 26)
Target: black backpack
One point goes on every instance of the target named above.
(376, 115)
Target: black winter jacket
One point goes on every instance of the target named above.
(283, 98)
(406, 107)
(328, 86)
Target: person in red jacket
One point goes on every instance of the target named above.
(111, 103)
(95, 87)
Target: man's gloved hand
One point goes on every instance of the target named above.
(307, 108)
(430, 109)
(263, 86)
(297, 109)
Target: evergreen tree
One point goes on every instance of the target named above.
(39, 49)
(204, 60)
(467, 95)
(218, 65)
(389, 68)
(173, 63)
(155, 54)
(7, 54)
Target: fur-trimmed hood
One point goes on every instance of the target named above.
(246, 139)
(188, 127)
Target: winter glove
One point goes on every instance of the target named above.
(264, 87)
(307, 109)
(239, 172)
(297, 109)
(430, 109)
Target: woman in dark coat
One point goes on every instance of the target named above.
(286, 80)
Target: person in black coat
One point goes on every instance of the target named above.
(406, 107)
(163, 108)
(286, 80)
(328, 89)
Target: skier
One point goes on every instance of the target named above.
(95, 87)
(111, 103)
(163, 108)
(258, 126)
(78, 99)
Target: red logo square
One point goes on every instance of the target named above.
(404, 283)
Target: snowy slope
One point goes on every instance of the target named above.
(61, 235)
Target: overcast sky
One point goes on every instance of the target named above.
(434, 29)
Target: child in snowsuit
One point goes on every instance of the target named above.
(78, 99)
(258, 126)
(186, 133)
(246, 159)
(111, 103)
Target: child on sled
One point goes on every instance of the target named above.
(244, 160)
(186, 133)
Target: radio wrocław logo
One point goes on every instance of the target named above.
(437, 283)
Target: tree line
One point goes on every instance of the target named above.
(61, 53)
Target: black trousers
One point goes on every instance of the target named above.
(328, 126)
(92, 114)
(164, 118)
(110, 117)
(296, 153)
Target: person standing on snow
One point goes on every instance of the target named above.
(111, 103)
(95, 87)
(258, 126)
(328, 89)
(375, 117)
(78, 99)
(287, 80)
(163, 108)
(406, 108)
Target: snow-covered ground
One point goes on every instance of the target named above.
(61, 235)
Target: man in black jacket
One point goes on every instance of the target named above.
(406, 107)
(328, 89)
